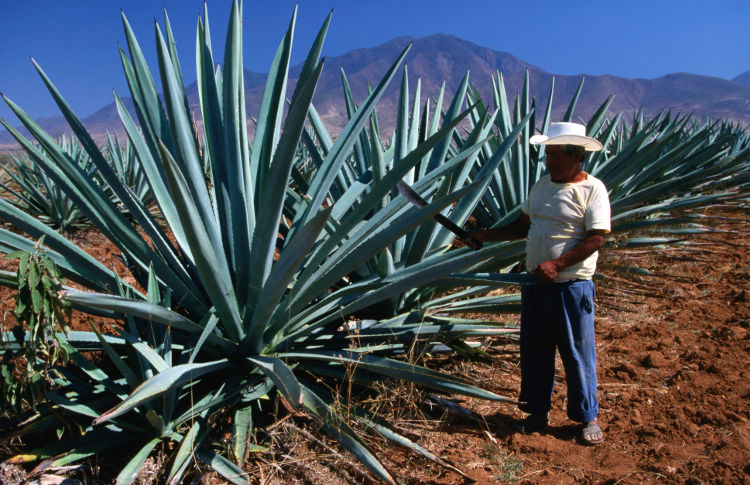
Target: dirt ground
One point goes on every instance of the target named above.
(673, 354)
(673, 387)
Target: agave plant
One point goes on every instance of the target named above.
(128, 168)
(32, 191)
(450, 166)
(514, 166)
(503, 170)
(652, 169)
(244, 291)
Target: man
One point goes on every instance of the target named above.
(566, 218)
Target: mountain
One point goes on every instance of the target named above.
(441, 57)
(743, 78)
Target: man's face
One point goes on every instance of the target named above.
(563, 164)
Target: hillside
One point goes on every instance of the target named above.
(441, 57)
(743, 78)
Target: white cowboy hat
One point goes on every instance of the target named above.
(563, 133)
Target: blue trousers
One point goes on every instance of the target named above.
(559, 316)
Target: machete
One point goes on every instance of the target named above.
(418, 201)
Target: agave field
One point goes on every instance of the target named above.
(267, 270)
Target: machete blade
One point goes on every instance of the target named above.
(418, 201)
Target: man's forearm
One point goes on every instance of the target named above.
(517, 229)
(549, 270)
(588, 246)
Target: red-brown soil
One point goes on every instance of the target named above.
(673, 387)
(673, 354)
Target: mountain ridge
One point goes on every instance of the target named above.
(446, 58)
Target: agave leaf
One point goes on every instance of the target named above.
(407, 333)
(423, 273)
(61, 452)
(148, 353)
(414, 129)
(162, 382)
(478, 134)
(488, 279)
(272, 199)
(335, 425)
(399, 370)
(636, 242)
(349, 198)
(441, 150)
(83, 341)
(522, 151)
(376, 148)
(571, 107)
(667, 205)
(87, 195)
(379, 190)
(271, 110)
(149, 311)
(133, 204)
(188, 446)
(8, 278)
(226, 395)
(401, 133)
(130, 471)
(283, 271)
(290, 322)
(309, 280)
(209, 322)
(188, 159)
(210, 101)
(94, 372)
(172, 45)
(211, 266)
(425, 238)
(98, 208)
(150, 110)
(126, 372)
(282, 377)
(77, 264)
(154, 174)
(359, 164)
(342, 147)
(607, 139)
(406, 442)
(488, 304)
(465, 206)
(89, 409)
(597, 119)
(417, 275)
(222, 466)
(238, 214)
(242, 425)
(369, 245)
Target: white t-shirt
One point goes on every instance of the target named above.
(561, 214)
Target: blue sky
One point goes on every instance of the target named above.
(75, 41)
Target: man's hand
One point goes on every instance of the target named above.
(473, 243)
(547, 271)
